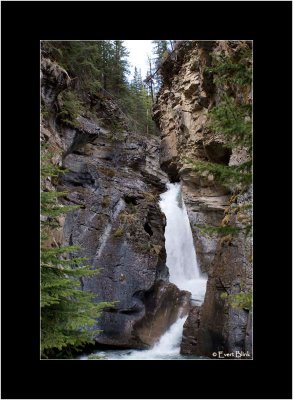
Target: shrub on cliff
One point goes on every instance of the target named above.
(70, 108)
(231, 116)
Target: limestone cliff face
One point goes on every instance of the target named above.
(187, 94)
(116, 179)
(181, 113)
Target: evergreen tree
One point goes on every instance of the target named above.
(160, 49)
(120, 69)
(150, 79)
(140, 106)
(67, 313)
(99, 69)
(93, 65)
(137, 93)
(82, 60)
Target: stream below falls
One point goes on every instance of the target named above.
(184, 273)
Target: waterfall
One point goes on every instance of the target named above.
(169, 343)
(181, 255)
(182, 264)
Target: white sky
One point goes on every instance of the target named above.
(139, 50)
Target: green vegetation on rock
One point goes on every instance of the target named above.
(68, 314)
(234, 121)
(232, 69)
(118, 233)
(231, 117)
(233, 177)
(71, 107)
(99, 71)
(239, 300)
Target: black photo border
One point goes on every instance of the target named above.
(269, 25)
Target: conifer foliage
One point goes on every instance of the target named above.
(140, 104)
(160, 53)
(68, 313)
(232, 116)
(100, 69)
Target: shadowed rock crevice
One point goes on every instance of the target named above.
(129, 199)
(148, 229)
(218, 153)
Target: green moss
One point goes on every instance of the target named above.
(239, 300)
(118, 233)
(143, 247)
(222, 231)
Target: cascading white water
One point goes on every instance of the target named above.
(169, 343)
(167, 348)
(181, 262)
(184, 273)
(181, 255)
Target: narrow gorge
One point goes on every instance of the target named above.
(146, 203)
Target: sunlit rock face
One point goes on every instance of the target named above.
(181, 111)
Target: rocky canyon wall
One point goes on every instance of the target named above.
(181, 112)
(114, 176)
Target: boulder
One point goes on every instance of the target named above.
(164, 304)
(190, 331)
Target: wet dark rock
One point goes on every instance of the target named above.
(120, 230)
(218, 326)
(190, 331)
(164, 304)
